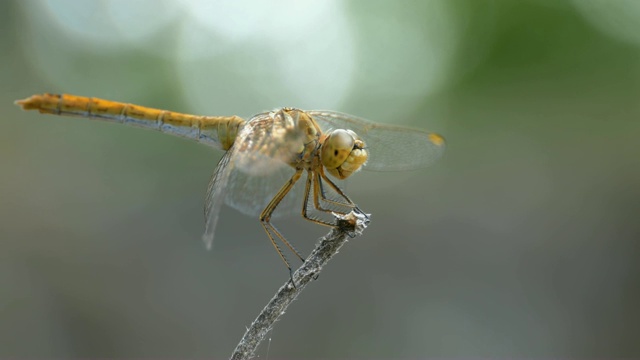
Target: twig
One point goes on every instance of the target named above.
(348, 226)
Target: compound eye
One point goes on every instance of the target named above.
(343, 153)
(336, 148)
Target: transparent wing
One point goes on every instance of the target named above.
(250, 194)
(215, 195)
(253, 170)
(391, 148)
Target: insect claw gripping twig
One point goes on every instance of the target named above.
(293, 283)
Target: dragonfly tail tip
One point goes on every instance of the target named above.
(22, 102)
(27, 104)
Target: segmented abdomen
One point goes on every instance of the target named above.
(218, 131)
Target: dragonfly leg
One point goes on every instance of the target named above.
(347, 203)
(319, 195)
(265, 219)
(305, 204)
(335, 187)
(275, 245)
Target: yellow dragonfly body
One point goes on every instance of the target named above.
(271, 148)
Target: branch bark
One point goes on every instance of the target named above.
(348, 226)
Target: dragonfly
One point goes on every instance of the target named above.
(266, 155)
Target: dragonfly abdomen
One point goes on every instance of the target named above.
(217, 131)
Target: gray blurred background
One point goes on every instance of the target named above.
(522, 241)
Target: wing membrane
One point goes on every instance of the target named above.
(215, 196)
(250, 194)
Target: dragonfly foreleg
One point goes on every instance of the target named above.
(319, 189)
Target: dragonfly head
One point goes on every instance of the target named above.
(343, 153)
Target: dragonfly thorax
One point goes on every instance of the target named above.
(343, 153)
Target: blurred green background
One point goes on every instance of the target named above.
(523, 240)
